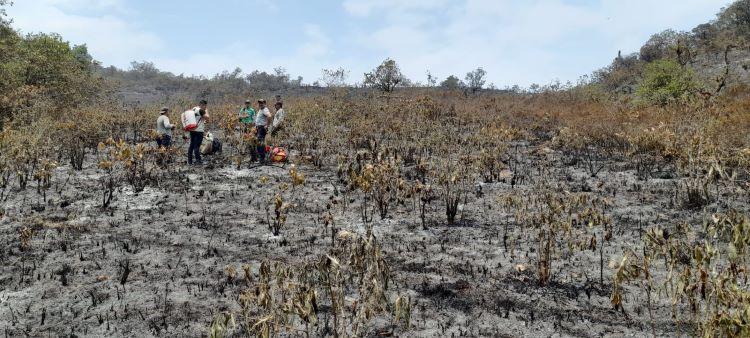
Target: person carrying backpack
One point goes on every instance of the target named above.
(196, 135)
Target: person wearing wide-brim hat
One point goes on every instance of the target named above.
(164, 129)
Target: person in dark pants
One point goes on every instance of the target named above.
(262, 120)
(196, 140)
(196, 135)
(164, 141)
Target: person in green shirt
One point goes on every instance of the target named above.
(247, 116)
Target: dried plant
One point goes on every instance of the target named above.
(222, 325)
(277, 220)
(25, 234)
(352, 281)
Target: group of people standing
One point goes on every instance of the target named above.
(262, 121)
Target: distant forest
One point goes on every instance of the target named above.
(703, 62)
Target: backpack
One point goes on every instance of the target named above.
(216, 145)
(207, 147)
(189, 121)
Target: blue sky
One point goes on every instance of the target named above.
(516, 41)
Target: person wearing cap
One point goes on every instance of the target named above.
(164, 129)
(262, 121)
(247, 116)
(196, 135)
(278, 118)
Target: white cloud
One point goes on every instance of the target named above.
(270, 5)
(317, 44)
(105, 27)
(118, 5)
(109, 37)
(518, 41)
(307, 60)
(367, 7)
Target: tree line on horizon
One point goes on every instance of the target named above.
(44, 70)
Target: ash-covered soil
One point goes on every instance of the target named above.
(153, 264)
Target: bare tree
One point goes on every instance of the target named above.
(431, 80)
(334, 77)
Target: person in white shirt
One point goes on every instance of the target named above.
(196, 135)
(164, 129)
(278, 119)
(262, 121)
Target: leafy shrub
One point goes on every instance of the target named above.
(385, 77)
(44, 67)
(452, 82)
(665, 81)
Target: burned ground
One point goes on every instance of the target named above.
(153, 262)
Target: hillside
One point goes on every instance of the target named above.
(717, 53)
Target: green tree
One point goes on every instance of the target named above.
(144, 70)
(3, 14)
(279, 80)
(665, 81)
(660, 46)
(385, 77)
(475, 79)
(451, 82)
(65, 74)
(43, 67)
(736, 19)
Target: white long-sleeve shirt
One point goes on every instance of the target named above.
(278, 118)
(200, 119)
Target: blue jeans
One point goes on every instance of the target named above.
(196, 139)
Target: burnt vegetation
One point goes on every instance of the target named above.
(618, 205)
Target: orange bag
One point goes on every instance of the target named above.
(278, 155)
